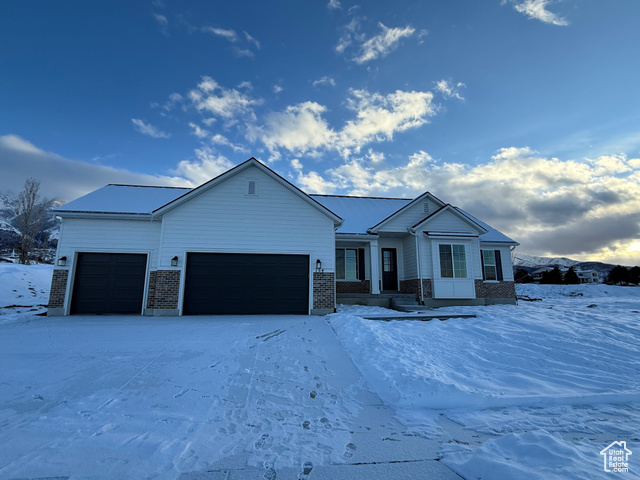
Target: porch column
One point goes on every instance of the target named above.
(375, 267)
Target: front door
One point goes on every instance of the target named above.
(389, 269)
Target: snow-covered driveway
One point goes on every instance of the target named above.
(136, 397)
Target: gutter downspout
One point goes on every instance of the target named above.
(418, 257)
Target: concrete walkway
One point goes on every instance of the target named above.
(259, 397)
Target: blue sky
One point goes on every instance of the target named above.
(523, 112)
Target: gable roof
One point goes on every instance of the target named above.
(456, 212)
(252, 162)
(428, 195)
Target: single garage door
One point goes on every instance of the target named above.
(109, 283)
(222, 283)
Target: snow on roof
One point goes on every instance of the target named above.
(125, 199)
(492, 234)
(361, 213)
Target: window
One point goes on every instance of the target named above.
(453, 261)
(491, 265)
(252, 188)
(349, 264)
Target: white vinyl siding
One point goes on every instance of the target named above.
(409, 257)
(114, 236)
(224, 219)
(409, 216)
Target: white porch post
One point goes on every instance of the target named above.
(375, 267)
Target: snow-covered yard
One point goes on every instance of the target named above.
(551, 382)
(528, 391)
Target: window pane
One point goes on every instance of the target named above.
(489, 261)
(340, 264)
(351, 264)
(459, 261)
(446, 265)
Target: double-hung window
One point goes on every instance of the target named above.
(491, 265)
(453, 261)
(348, 264)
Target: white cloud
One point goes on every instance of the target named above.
(301, 128)
(229, 104)
(198, 131)
(583, 209)
(219, 139)
(206, 166)
(380, 45)
(311, 182)
(162, 22)
(277, 89)
(148, 129)
(449, 90)
(328, 81)
(252, 40)
(62, 178)
(537, 10)
(349, 34)
(243, 52)
(334, 4)
(226, 33)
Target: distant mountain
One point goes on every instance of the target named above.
(531, 263)
(522, 260)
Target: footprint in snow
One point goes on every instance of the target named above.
(109, 427)
(260, 443)
(270, 471)
(306, 470)
(325, 422)
(306, 424)
(348, 450)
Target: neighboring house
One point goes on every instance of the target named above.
(249, 241)
(585, 276)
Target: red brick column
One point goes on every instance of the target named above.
(164, 290)
(58, 291)
(323, 292)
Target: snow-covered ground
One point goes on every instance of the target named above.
(24, 291)
(551, 382)
(531, 391)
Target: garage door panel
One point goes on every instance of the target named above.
(246, 284)
(109, 283)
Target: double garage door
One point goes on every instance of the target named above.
(223, 283)
(215, 283)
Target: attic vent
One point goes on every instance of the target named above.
(425, 207)
(253, 188)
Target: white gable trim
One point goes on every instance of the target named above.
(428, 195)
(449, 208)
(234, 171)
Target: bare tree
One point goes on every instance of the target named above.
(31, 215)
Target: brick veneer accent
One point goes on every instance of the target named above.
(58, 288)
(413, 287)
(360, 286)
(164, 289)
(323, 290)
(495, 290)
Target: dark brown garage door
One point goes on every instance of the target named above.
(108, 283)
(222, 283)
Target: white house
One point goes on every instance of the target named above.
(248, 241)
